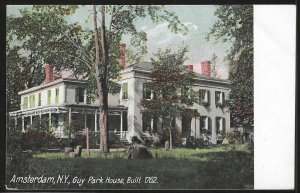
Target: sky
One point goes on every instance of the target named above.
(198, 18)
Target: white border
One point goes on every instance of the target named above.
(274, 96)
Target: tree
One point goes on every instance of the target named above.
(121, 22)
(91, 54)
(34, 38)
(172, 88)
(214, 69)
(235, 25)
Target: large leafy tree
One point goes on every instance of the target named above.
(235, 26)
(120, 22)
(91, 53)
(172, 88)
(33, 39)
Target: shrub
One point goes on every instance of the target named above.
(192, 142)
(34, 139)
(164, 136)
(114, 140)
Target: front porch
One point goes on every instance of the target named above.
(66, 120)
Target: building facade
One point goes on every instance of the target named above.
(63, 100)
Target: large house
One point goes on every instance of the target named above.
(63, 99)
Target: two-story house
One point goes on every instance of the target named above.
(63, 99)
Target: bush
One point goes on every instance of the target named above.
(114, 140)
(192, 142)
(164, 136)
(34, 140)
(234, 137)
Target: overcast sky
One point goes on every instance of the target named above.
(198, 18)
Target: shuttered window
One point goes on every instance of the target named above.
(25, 102)
(49, 97)
(56, 95)
(125, 91)
(39, 99)
(204, 97)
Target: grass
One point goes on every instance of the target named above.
(220, 167)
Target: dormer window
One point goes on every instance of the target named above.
(79, 95)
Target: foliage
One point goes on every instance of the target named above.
(35, 139)
(114, 140)
(192, 142)
(34, 38)
(172, 87)
(214, 69)
(44, 35)
(235, 25)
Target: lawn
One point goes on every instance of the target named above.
(220, 167)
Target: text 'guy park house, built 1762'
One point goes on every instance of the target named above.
(61, 99)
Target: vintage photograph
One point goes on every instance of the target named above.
(129, 97)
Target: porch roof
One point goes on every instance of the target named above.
(75, 108)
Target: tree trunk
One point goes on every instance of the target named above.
(103, 119)
(101, 78)
(170, 132)
(104, 132)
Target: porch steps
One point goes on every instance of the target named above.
(125, 142)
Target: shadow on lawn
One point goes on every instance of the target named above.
(227, 155)
(221, 170)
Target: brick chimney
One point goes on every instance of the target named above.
(49, 77)
(122, 60)
(206, 68)
(189, 68)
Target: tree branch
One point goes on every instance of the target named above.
(77, 46)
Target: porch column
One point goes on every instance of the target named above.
(85, 121)
(198, 127)
(23, 130)
(70, 117)
(95, 120)
(193, 127)
(49, 121)
(16, 121)
(121, 124)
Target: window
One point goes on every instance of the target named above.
(49, 97)
(185, 95)
(125, 91)
(39, 99)
(149, 122)
(219, 98)
(31, 101)
(203, 123)
(220, 124)
(56, 95)
(146, 92)
(25, 102)
(204, 97)
(79, 95)
(186, 125)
